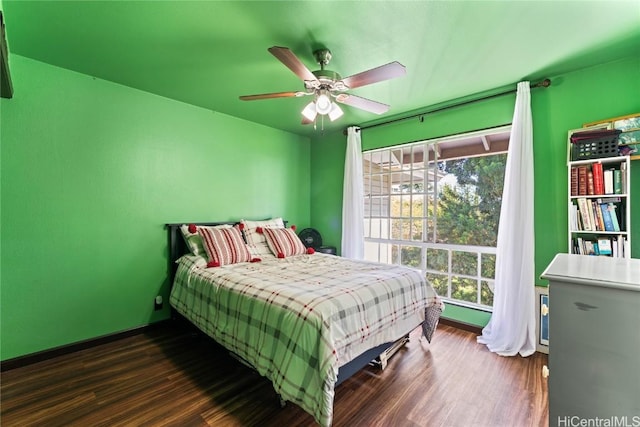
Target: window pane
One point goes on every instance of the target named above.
(395, 160)
(396, 182)
(417, 206)
(464, 263)
(416, 229)
(385, 253)
(379, 207)
(418, 156)
(406, 229)
(411, 256)
(396, 229)
(376, 184)
(489, 266)
(396, 205)
(469, 199)
(384, 228)
(464, 289)
(395, 254)
(438, 259)
(375, 228)
(406, 157)
(417, 181)
(366, 160)
(429, 231)
(405, 210)
(385, 158)
(440, 283)
(371, 251)
(486, 296)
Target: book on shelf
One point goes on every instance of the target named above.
(573, 218)
(623, 178)
(621, 214)
(576, 245)
(590, 186)
(598, 178)
(606, 217)
(604, 247)
(615, 225)
(590, 247)
(597, 214)
(623, 246)
(582, 180)
(617, 181)
(611, 199)
(586, 214)
(574, 181)
(608, 181)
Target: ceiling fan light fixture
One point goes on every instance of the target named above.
(335, 112)
(323, 103)
(310, 112)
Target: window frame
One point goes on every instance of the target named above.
(400, 160)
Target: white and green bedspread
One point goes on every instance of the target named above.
(297, 320)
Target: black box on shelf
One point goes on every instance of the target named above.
(594, 144)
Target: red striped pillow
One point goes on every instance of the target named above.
(284, 242)
(224, 246)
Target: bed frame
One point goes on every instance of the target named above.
(377, 356)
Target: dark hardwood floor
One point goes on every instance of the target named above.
(172, 377)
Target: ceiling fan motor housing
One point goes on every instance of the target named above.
(323, 56)
(327, 79)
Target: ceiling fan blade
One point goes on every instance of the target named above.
(306, 121)
(374, 75)
(271, 95)
(362, 103)
(289, 59)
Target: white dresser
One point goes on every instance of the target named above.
(594, 335)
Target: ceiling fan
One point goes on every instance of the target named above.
(326, 85)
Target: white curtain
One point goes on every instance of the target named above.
(353, 198)
(511, 329)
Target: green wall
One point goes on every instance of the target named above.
(575, 98)
(91, 171)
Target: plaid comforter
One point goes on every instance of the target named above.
(297, 320)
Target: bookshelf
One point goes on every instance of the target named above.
(599, 208)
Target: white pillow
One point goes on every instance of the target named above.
(273, 222)
(257, 242)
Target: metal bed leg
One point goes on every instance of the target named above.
(382, 360)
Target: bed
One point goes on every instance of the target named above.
(305, 321)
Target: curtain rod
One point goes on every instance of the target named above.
(543, 83)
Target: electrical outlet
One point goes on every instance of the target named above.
(157, 303)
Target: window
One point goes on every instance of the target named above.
(434, 205)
